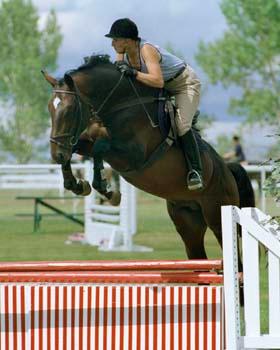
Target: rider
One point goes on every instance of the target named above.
(237, 155)
(156, 67)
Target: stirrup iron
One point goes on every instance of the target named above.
(198, 184)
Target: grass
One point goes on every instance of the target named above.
(18, 242)
(155, 229)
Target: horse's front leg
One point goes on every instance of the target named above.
(100, 183)
(81, 187)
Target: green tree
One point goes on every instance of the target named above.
(272, 184)
(223, 144)
(24, 51)
(248, 56)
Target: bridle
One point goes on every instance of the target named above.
(74, 137)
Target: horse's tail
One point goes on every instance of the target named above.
(245, 189)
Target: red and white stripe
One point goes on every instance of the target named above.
(115, 317)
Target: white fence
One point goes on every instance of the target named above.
(257, 228)
(49, 176)
(261, 171)
(109, 227)
(112, 228)
(33, 176)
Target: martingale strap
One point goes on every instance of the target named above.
(156, 154)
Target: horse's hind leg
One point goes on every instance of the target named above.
(212, 214)
(191, 226)
(213, 218)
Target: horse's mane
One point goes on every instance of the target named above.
(94, 60)
(89, 62)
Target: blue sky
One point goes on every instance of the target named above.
(182, 23)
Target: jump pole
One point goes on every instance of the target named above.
(111, 305)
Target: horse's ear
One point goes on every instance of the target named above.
(49, 78)
(69, 81)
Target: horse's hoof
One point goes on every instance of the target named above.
(116, 198)
(86, 189)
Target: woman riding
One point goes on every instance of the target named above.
(156, 67)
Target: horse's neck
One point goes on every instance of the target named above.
(132, 138)
(104, 81)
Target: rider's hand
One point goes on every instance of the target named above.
(124, 68)
(119, 63)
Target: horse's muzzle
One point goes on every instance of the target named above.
(60, 157)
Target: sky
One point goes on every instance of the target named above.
(181, 23)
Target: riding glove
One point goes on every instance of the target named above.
(127, 70)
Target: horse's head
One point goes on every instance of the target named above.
(66, 112)
(95, 97)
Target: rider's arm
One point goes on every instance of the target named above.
(154, 76)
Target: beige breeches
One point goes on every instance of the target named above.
(186, 90)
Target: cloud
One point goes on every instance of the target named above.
(59, 6)
(180, 22)
(183, 23)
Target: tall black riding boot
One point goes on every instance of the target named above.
(192, 156)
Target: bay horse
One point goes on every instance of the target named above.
(98, 112)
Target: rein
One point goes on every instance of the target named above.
(142, 104)
(74, 138)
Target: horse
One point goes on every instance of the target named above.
(98, 112)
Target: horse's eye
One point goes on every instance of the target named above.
(56, 102)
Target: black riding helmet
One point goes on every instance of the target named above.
(123, 28)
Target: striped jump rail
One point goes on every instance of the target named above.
(100, 305)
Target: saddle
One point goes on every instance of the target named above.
(165, 118)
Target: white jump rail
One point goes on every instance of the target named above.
(112, 228)
(105, 305)
(257, 228)
(262, 170)
(106, 226)
(34, 176)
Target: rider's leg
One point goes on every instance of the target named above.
(186, 89)
(192, 155)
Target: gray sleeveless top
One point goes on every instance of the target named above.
(169, 64)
